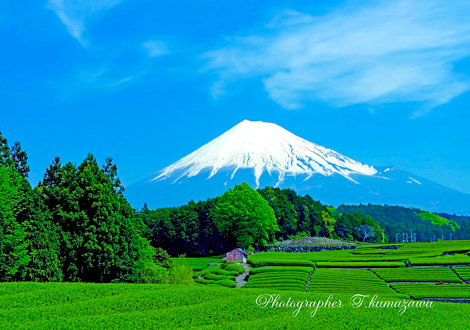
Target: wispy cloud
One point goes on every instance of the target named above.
(74, 13)
(393, 51)
(155, 48)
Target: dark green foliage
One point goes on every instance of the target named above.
(162, 258)
(285, 212)
(348, 226)
(188, 229)
(309, 217)
(98, 234)
(20, 159)
(4, 150)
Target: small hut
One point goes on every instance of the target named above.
(236, 254)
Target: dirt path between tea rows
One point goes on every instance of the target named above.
(241, 278)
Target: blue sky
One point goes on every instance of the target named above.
(147, 82)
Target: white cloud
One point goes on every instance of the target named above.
(73, 13)
(155, 48)
(394, 51)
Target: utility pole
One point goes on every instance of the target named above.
(411, 237)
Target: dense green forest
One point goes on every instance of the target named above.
(398, 220)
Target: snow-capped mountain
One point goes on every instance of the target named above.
(263, 147)
(263, 154)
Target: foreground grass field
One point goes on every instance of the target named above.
(146, 306)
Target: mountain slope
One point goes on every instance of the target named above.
(263, 147)
(263, 154)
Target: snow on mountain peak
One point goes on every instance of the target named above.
(263, 147)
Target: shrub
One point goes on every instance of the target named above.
(181, 273)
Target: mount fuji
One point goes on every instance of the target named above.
(265, 154)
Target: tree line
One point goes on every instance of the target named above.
(248, 218)
(399, 219)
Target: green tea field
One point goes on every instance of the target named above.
(146, 306)
(370, 287)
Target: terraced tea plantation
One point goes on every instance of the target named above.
(284, 278)
(419, 291)
(418, 274)
(416, 270)
(352, 281)
(463, 272)
(221, 274)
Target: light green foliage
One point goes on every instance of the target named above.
(438, 220)
(181, 273)
(418, 274)
(331, 209)
(244, 217)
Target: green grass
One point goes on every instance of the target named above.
(419, 291)
(418, 274)
(146, 306)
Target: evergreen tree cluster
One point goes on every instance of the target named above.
(75, 226)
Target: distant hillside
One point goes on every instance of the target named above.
(427, 226)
